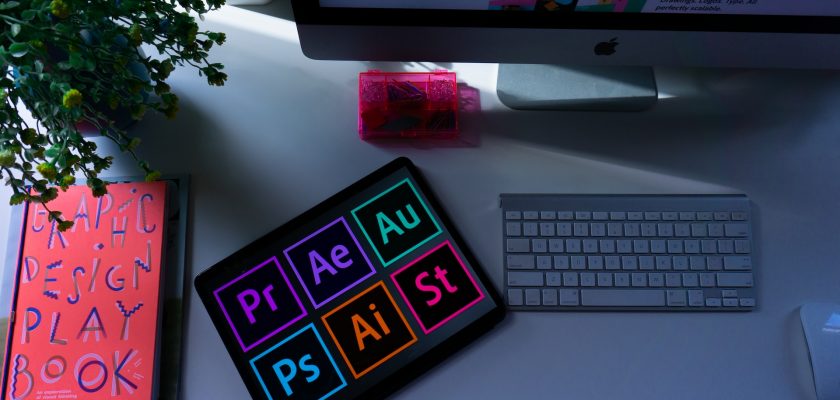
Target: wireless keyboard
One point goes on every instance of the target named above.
(628, 252)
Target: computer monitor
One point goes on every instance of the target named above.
(575, 33)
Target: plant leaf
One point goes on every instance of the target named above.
(18, 49)
(9, 5)
(15, 29)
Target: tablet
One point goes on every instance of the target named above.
(353, 298)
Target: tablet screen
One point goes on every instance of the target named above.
(352, 298)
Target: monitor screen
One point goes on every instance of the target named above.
(753, 7)
(697, 33)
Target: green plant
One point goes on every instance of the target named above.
(67, 62)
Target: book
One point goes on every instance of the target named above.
(86, 310)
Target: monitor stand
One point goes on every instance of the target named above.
(590, 88)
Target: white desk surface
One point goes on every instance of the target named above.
(281, 136)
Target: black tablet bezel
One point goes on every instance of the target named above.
(397, 379)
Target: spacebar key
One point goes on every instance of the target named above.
(622, 298)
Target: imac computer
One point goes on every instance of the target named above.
(576, 54)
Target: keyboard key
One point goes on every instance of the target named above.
(742, 246)
(712, 302)
(638, 279)
(629, 263)
(704, 216)
(622, 297)
(612, 262)
(531, 215)
(673, 280)
(697, 263)
(665, 230)
(553, 279)
(707, 279)
(676, 298)
(569, 297)
(648, 229)
(652, 216)
(598, 229)
(581, 229)
(546, 229)
(618, 215)
(739, 216)
(600, 216)
(675, 246)
(530, 229)
(518, 245)
(691, 246)
(548, 215)
(515, 297)
(532, 297)
(635, 216)
(539, 246)
(578, 262)
(590, 246)
(607, 246)
(698, 230)
(513, 229)
(587, 279)
(737, 263)
(555, 245)
(641, 246)
(622, 279)
(721, 216)
(736, 230)
(663, 263)
(549, 297)
(730, 302)
(690, 280)
(521, 278)
(729, 293)
(715, 230)
(583, 215)
(669, 216)
(726, 246)
(687, 216)
(747, 302)
(680, 263)
(543, 262)
(565, 215)
(631, 229)
(573, 246)
(695, 298)
(656, 279)
(513, 215)
(614, 229)
(657, 246)
(595, 262)
(564, 229)
(624, 246)
(682, 230)
(570, 279)
(708, 247)
(714, 263)
(520, 262)
(646, 263)
(561, 262)
(734, 279)
(605, 279)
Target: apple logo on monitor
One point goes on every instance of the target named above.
(606, 48)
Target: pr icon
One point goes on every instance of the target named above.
(369, 329)
(329, 262)
(396, 222)
(299, 367)
(259, 303)
(437, 287)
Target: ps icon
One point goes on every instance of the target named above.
(299, 367)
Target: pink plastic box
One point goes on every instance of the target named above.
(408, 105)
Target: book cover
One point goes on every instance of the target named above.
(86, 310)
